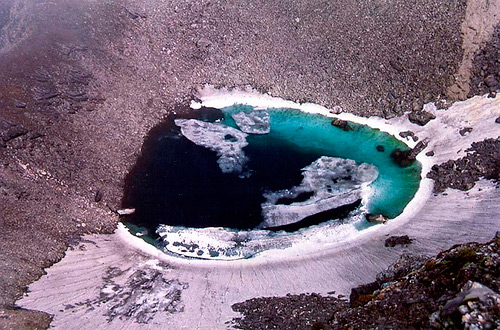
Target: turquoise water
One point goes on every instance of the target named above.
(314, 134)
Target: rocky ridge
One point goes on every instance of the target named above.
(459, 288)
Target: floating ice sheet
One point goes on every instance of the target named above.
(253, 122)
(226, 141)
(216, 243)
(334, 182)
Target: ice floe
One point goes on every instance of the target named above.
(334, 182)
(253, 122)
(226, 141)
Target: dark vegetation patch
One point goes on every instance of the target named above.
(482, 160)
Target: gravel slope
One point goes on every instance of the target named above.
(82, 82)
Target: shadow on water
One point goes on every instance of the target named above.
(178, 183)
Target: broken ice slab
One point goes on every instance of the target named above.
(226, 141)
(335, 182)
(253, 122)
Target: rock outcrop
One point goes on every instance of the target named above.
(482, 160)
(406, 158)
(456, 289)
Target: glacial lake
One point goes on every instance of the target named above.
(231, 183)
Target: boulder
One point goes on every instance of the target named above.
(380, 148)
(376, 218)
(361, 294)
(98, 196)
(409, 134)
(341, 124)
(397, 240)
(465, 130)
(14, 132)
(406, 158)
(420, 118)
(490, 81)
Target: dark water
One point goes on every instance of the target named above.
(176, 182)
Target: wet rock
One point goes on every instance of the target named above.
(465, 131)
(407, 157)
(375, 218)
(492, 94)
(341, 124)
(409, 134)
(429, 153)
(380, 148)
(397, 240)
(421, 118)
